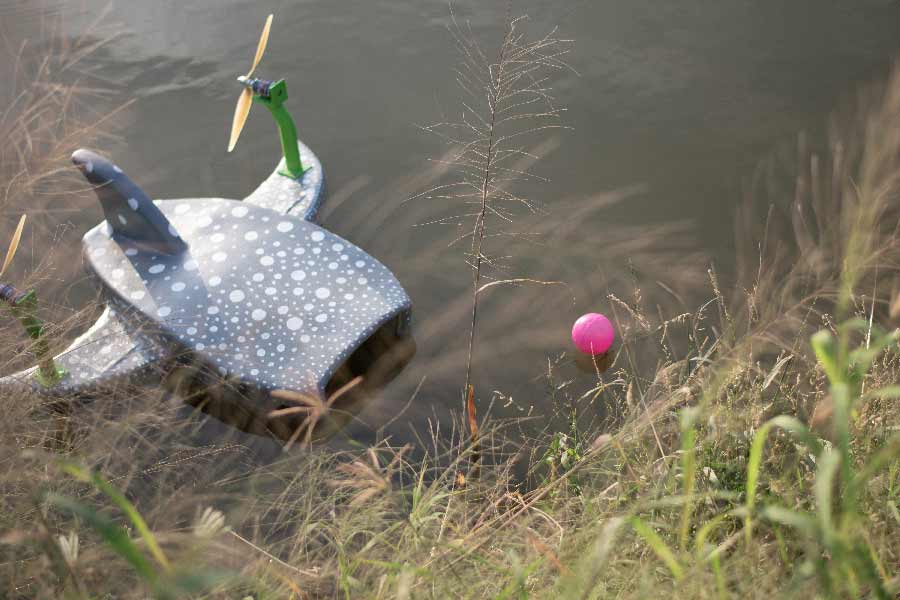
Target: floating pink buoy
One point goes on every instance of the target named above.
(593, 334)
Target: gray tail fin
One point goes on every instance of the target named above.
(129, 211)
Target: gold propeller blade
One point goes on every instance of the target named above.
(263, 40)
(245, 101)
(13, 245)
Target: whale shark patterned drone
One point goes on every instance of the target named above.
(254, 290)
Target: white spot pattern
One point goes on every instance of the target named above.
(245, 295)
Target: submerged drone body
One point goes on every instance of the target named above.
(251, 293)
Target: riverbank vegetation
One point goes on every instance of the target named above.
(752, 448)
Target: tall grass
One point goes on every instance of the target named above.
(753, 450)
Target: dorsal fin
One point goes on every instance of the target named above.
(129, 211)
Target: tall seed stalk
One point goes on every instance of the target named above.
(507, 103)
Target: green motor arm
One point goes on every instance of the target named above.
(286, 128)
(23, 307)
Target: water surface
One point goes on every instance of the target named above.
(676, 100)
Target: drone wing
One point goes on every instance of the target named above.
(107, 356)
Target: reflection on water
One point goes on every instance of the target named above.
(289, 416)
(673, 104)
(595, 365)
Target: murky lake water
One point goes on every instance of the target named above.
(673, 101)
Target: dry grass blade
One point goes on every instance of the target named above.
(310, 404)
(517, 281)
(371, 479)
(541, 547)
(471, 413)
(13, 245)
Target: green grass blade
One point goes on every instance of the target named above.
(114, 535)
(824, 492)
(721, 586)
(853, 324)
(842, 402)
(659, 547)
(689, 474)
(862, 358)
(791, 518)
(754, 462)
(753, 465)
(867, 570)
(888, 392)
(825, 347)
(704, 532)
(799, 431)
(125, 506)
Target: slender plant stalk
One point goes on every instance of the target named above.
(496, 92)
(492, 153)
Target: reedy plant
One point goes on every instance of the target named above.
(507, 106)
(838, 551)
(832, 531)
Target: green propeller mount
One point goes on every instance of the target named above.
(24, 307)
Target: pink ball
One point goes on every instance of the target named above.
(593, 334)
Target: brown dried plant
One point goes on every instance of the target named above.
(507, 105)
(369, 478)
(313, 406)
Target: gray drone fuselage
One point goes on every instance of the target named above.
(253, 290)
